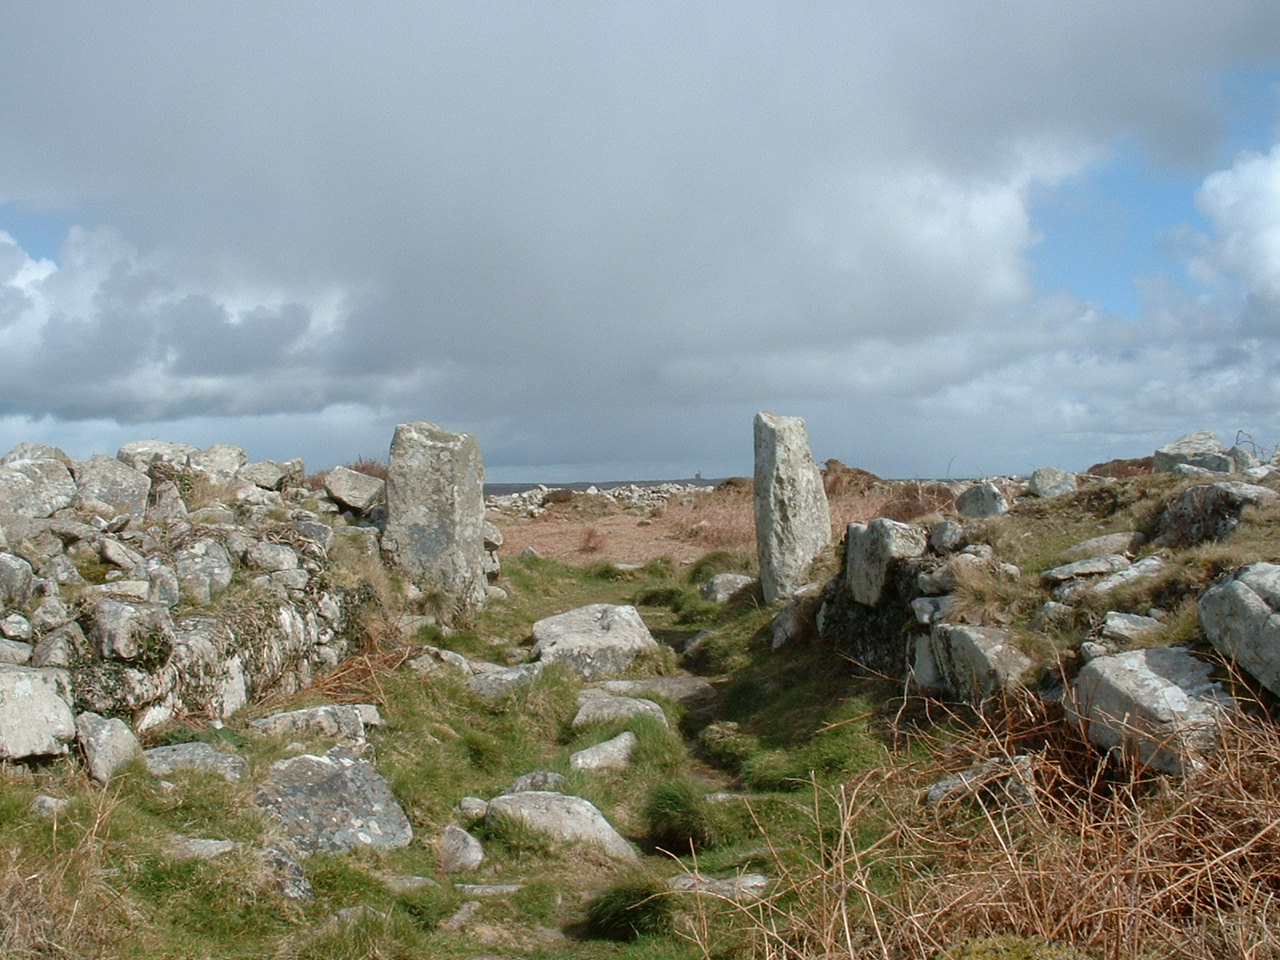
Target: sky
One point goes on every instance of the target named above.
(959, 238)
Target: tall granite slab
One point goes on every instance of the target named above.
(793, 519)
(435, 511)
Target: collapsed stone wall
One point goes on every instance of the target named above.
(170, 580)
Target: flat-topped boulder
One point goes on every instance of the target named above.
(562, 817)
(1241, 618)
(872, 549)
(593, 641)
(36, 719)
(1200, 450)
(35, 489)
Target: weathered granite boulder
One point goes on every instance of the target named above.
(943, 579)
(686, 689)
(571, 819)
(354, 490)
(613, 754)
(972, 663)
(142, 454)
(1208, 511)
(593, 641)
(107, 744)
(740, 888)
(1125, 542)
(35, 488)
(204, 569)
(343, 723)
(109, 481)
(435, 511)
(1159, 706)
(35, 712)
(982, 500)
(871, 550)
(1088, 567)
(793, 518)
(536, 780)
(271, 474)
(333, 803)
(17, 581)
(220, 463)
(493, 682)
(198, 757)
(29, 450)
(1051, 482)
(1128, 627)
(596, 706)
(1241, 618)
(459, 850)
(1200, 449)
(124, 630)
(723, 586)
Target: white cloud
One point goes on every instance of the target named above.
(1243, 203)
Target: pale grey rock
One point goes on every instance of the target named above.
(204, 569)
(596, 706)
(17, 631)
(142, 454)
(129, 591)
(60, 648)
(47, 807)
(566, 818)
(435, 511)
(1089, 650)
(1088, 567)
(295, 579)
(17, 581)
(498, 682)
(166, 504)
(60, 569)
(793, 518)
(213, 515)
(1144, 569)
(220, 462)
(723, 586)
(459, 850)
(342, 723)
(271, 474)
(537, 780)
(109, 481)
(270, 557)
(462, 916)
(1000, 781)
(318, 533)
(593, 641)
(1200, 449)
(686, 689)
(1052, 482)
(126, 630)
(29, 450)
(929, 610)
(1052, 612)
(943, 579)
(1109, 543)
(1158, 706)
(871, 551)
(742, 888)
(1241, 618)
(488, 890)
(35, 488)
(1128, 627)
(290, 874)
(946, 536)
(13, 650)
(333, 803)
(107, 744)
(35, 712)
(975, 663)
(118, 555)
(472, 809)
(613, 754)
(982, 500)
(354, 490)
(1208, 512)
(1242, 459)
(199, 757)
(433, 659)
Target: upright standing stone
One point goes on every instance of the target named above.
(435, 511)
(793, 519)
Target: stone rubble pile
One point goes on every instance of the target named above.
(539, 500)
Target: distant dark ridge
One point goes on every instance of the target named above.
(502, 489)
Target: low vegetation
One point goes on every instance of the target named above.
(803, 769)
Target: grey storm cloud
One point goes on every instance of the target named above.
(598, 234)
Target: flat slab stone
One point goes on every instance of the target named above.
(614, 754)
(107, 744)
(688, 690)
(871, 550)
(596, 706)
(493, 682)
(563, 818)
(162, 761)
(593, 641)
(1106, 544)
(1160, 706)
(35, 712)
(341, 722)
(974, 662)
(1088, 567)
(333, 803)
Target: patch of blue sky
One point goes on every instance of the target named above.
(1113, 223)
(40, 233)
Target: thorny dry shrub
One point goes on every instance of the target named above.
(1102, 863)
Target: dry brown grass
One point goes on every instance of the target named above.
(1103, 864)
